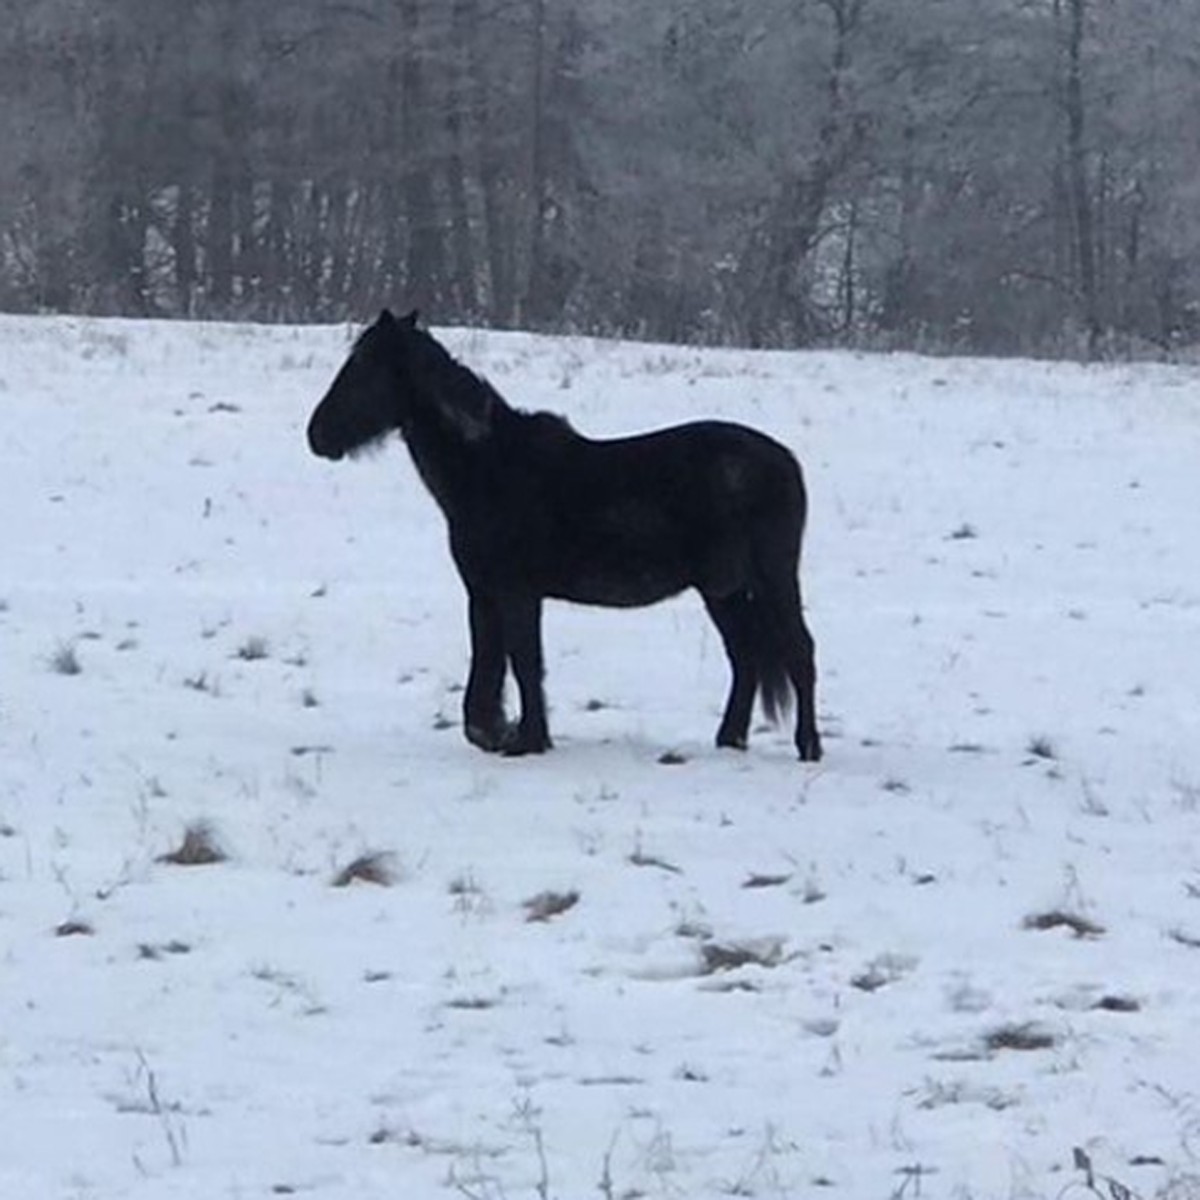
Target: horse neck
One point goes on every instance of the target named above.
(449, 432)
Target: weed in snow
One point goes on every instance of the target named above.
(202, 683)
(200, 847)
(470, 899)
(144, 1097)
(1080, 926)
(812, 892)
(292, 986)
(943, 1094)
(375, 866)
(1105, 1187)
(882, 971)
(1117, 1004)
(153, 788)
(156, 951)
(546, 905)
(1041, 747)
(640, 859)
(1022, 1037)
(1185, 938)
(65, 660)
(755, 880)
(74, 927)
(693, 926)
(966, 748)
(729, 956)
(253, 649)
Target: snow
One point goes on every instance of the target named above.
(1003, 576)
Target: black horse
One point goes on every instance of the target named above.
(536, 510)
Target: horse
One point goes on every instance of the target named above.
(536, 510)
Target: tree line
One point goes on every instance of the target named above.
(992, 175)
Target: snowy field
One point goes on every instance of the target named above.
(959, 958)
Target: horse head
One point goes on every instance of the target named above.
(396, 375)
(366, 400)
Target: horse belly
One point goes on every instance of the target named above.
(631, 552)
(618, 592)
(621, 581)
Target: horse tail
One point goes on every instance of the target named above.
(775, 598)
(769, 643)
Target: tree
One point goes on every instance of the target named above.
(999, 175)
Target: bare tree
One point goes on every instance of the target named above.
(999, 175)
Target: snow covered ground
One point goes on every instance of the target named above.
(969, 940)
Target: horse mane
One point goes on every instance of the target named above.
(469, 402)
(465, 401)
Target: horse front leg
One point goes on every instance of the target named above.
(484, 722)
(522, 624)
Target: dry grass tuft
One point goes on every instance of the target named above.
(640, 859)
(74, 927)
(200, 847)
(156, 951)
(472, 1003)
(254, 649)
(200, 682)
(375, 866)
(1025, 1037)
(65, 660)
(1185, 938)
(1117, 1004)
(756, 880)
(1040, 746)
(1080, 926)
(966, 748)
(729, 956)
(546, 905)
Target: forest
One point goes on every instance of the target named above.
(986, 176)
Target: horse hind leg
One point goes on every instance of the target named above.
(733, 618)
(802, 668)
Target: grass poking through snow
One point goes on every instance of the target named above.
(375, 866)
(200, 847)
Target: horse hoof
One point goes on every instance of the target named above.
(520, 744)
(725, 742)
(490, 739)
(810, 751)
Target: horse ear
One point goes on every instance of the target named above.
(411, 320)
